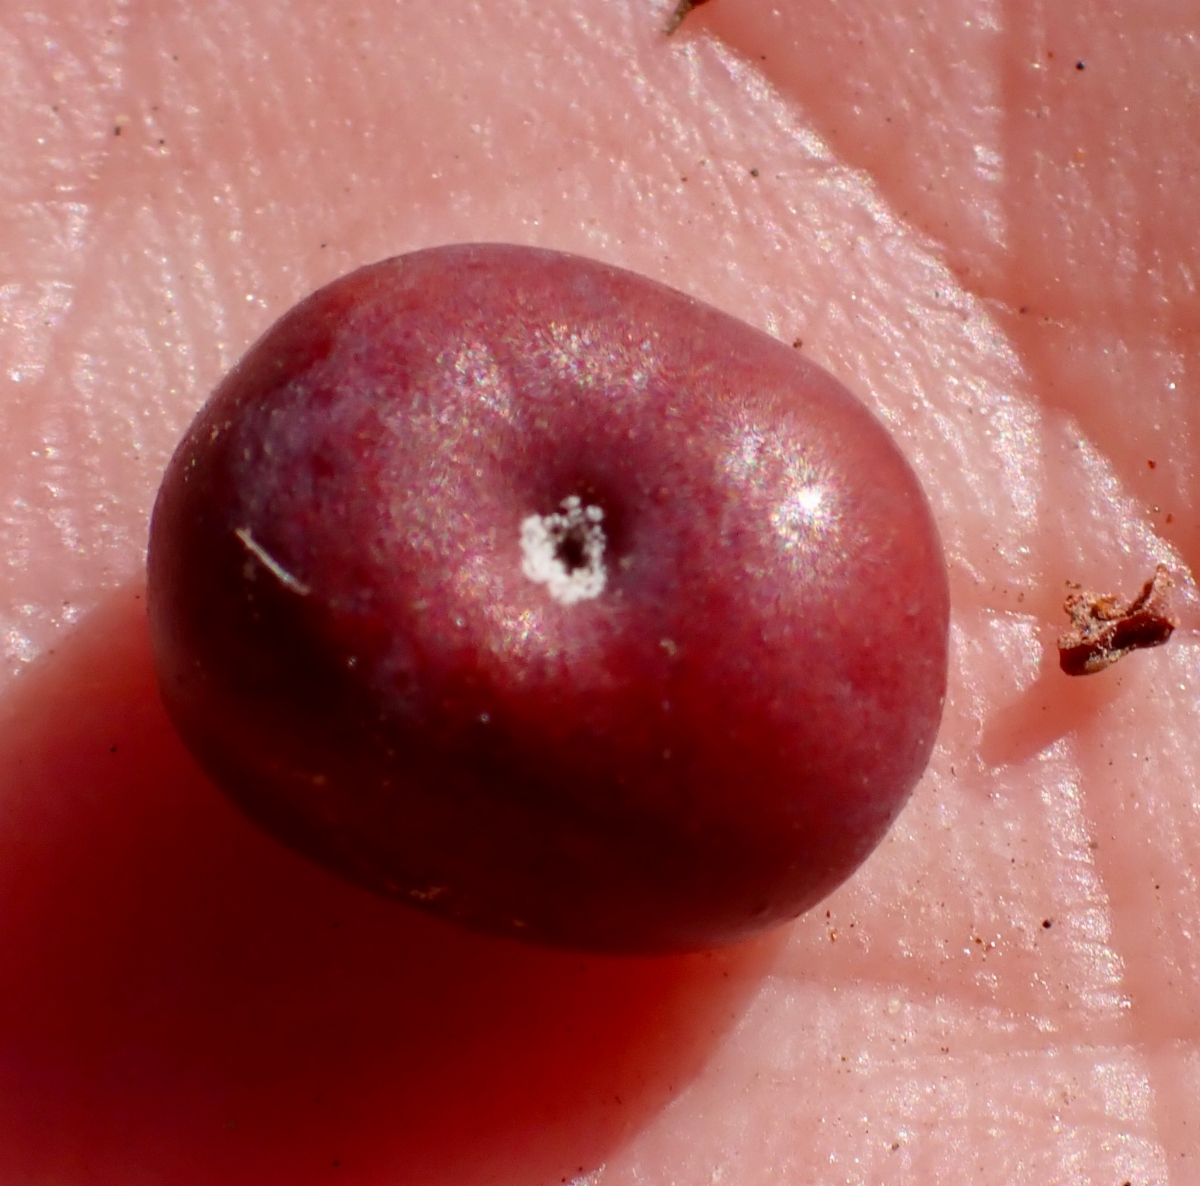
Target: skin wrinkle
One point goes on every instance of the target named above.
(993, 248)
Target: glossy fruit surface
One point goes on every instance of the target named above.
(528, 590)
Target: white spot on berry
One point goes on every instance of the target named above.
(281, 574)
(565, 551)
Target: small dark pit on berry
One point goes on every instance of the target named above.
(569, 551)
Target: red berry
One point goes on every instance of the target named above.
(529, 590)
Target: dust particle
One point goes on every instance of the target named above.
(681, 11)
(1105, 627)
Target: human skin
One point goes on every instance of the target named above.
(993, 247)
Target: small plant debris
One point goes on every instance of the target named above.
(681, 10)
(1106, 627)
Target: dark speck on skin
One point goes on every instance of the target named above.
(681, 11)
(1106, 627)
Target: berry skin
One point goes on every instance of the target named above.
(533, 592)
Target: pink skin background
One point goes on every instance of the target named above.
(995, 247)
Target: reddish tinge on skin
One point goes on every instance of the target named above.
(536, 593)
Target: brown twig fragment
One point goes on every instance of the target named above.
(1106, 627)
(681, 10)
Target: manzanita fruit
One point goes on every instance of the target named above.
(531, 591)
